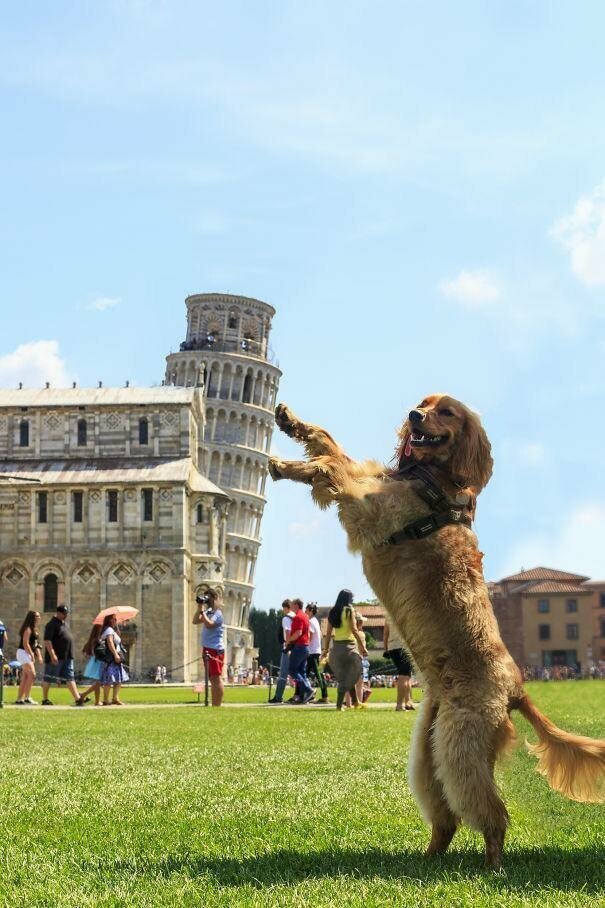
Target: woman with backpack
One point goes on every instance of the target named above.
(93, 669)
(114, 673)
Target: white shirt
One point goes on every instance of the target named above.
(286, 624)
(314, 637)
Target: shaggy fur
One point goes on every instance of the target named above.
(434, 590)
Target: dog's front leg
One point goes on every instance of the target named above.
(317, 442)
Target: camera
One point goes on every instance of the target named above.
(203, 600)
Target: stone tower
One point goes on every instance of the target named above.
(227, 348)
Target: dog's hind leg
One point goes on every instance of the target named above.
(465, 749)
(317, 441)
(425, 786)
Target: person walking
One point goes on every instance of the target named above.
(59, 656)
(28, 653)
(114, 674)
(347, 650)
(313, 666)
(284, 660)
(93, 670)
(397, 653)
(298, 640)
(212, 640)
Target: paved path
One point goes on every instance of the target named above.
(129, 706)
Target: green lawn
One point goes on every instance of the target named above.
(270, 807)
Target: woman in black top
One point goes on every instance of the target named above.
(28, 653)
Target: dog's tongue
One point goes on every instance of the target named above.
(408, 446)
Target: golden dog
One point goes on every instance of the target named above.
(432, 585)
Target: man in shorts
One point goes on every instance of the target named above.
(396, 652)
(59, 657)
(210, 616)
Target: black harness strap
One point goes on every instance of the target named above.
(445, 511)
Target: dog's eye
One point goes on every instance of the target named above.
(445, 412)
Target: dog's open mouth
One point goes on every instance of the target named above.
(425, 439)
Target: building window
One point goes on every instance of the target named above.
(232, 321)
(82, 433)
(51, 593)
(247, 393)
(77, 499)
(544, 631)
(144, 431)
(573, 631)
(42, 507)
(147, 504)
(112, 506)
(602, 627)
(571, 605)
(24, 433)
(602, 600)
(543, 606)
(199, 512)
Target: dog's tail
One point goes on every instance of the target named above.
(572, 764)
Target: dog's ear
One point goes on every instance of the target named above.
(471, 455)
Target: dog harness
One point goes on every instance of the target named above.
(443, 510)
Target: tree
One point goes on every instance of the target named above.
(265, 627)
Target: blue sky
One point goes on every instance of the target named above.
(418, 190)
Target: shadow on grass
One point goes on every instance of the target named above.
(525, 869)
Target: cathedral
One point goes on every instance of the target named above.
(145, 496)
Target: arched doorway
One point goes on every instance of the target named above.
(51, 593)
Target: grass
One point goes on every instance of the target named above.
(270, 807)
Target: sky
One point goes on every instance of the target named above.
(418, 189)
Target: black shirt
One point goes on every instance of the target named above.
(61, 639)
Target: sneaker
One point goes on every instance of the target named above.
(324, 700)
(47, 703)
(30, 701)
(20, 703)
(80, 702)
(308, 698)
(410, 706)
(294, 701)
(275, 700)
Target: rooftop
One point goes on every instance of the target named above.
(541, 573)
(109, 471)
(80, 397)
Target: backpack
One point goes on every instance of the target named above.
(102, 652)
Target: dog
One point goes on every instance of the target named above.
(411, 526)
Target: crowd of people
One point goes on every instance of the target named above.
(305, 658)
(54, 652)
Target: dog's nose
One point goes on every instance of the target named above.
(416, 416)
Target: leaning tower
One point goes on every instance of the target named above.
(228, 342)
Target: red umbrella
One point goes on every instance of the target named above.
(122, 613)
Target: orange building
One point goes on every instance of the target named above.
(598, 619)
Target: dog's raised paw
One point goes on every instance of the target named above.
(274, 472)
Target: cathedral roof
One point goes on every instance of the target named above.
(80, 397)
(110, 471)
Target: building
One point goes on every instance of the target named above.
(227, 341)
(597, 588)
(546, 617)
(145, 496)
(106, 505)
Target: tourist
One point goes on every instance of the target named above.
(347, 649)
(396, 652)
(212, 641)
(363, 685)
(59, 657)
(28, 653)
(93, 670)
(298, 642)
(114, 674)
(284, 662)
(313, 666)
(158, 674)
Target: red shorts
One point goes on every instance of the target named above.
(214, 659)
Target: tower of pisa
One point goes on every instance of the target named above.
(228, 342)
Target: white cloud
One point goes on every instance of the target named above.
(304, 529)
(34, 364)
(476, 289)
(582, 233)
(574, 545)
(101, 303)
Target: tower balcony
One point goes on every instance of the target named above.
(242, 347)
